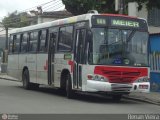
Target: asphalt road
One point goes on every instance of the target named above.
(14, 99)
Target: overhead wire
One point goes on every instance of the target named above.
(53, 6)
(31, 9)
(36, 6)
(17, 17)
(47, 8)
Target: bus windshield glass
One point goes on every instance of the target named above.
(113, 46)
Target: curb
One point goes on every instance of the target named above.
(125, 97)
(10, 79)
(3, 73)
(142, 100)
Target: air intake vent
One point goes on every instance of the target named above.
(122, 74)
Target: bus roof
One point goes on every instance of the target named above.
(53, 23)
(64, 21)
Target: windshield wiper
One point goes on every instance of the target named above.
(130, 36)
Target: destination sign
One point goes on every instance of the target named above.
(126, 23)
(101, 21)
(118, 21)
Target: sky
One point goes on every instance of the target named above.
(9, 6)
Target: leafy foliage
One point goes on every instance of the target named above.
(77, 7)
(149, 3)
(16, 19)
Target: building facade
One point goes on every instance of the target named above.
(152, 16)
(49, 16)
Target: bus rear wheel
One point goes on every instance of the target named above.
(69, 91)
(25, 80)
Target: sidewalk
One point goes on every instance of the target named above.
(6, 77)
(152, 97)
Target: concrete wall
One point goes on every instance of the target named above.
(42, 19)
(154, 29)
(133, 11)
(2, 42)
(2, 38)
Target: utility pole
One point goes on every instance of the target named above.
(121, 6)
(6, 37)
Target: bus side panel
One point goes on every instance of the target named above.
(86, 70)
(13, 65)
(32, 67)
(59, 65)
(22, 64)
(58, 69)
(42, 68)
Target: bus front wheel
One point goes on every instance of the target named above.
(69, 91)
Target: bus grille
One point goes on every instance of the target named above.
(121, 74)
(121, 77)
(121, 87)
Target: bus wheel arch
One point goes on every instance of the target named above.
(26, 78)
(24, 68)
(64, 73)
(66, 83)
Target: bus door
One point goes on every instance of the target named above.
(79, 57)
(52, 46)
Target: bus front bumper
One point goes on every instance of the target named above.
(95, 86)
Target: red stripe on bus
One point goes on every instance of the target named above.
(71, 63)
(119, 15)
(121, 74)
(46, 65)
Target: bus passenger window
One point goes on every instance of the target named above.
(65, 39)
(43, 41)
(24, 43)
(33, 41)
(16, 43)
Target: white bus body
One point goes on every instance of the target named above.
(44, 54)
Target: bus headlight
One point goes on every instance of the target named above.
(97, 78)
(142, 79)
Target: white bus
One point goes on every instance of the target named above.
(90, 53)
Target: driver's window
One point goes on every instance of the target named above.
(113, 36)
(80, 45)
(99, 39)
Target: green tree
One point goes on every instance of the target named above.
(16, 19)
(77, 7)
(149, 3)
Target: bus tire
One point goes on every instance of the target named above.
(25, 80)
(116, 98)
(34, 86)
(69, 91)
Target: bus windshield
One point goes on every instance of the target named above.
(118, 47)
